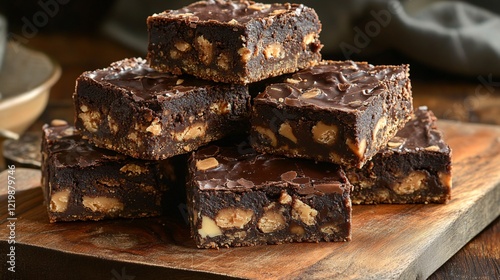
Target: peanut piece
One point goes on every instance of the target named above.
(382, 122)
(182, 46)
(133, 169)
(365, 184)
(355, 103)
(286, 131)
(245, 54)
(297, 230)
(278, 12)
(90, 119)
(259, 6)
(191, 132)
(271, 220)
(411, 184)
(102, 204)
(237, 235)
(312, 93)
(207, 163)
(233, 217)
(433, 148)
(292, 81)
(174, 54)
(68, 131)
(308, 39)
(113, 126)
(285, 198)
(58, 122)
(274, 50)
(220, 108)
(395, 142)
(358, 149)
(154, 127)
(59, 201)
(208, 228)
(304, 212)
(267, 133)
(329, 228)
(324, 134)
(205, 49)
(445, 179)
(224, 61)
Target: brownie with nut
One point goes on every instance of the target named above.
(133, 109)
(234, 41)
(237, 197)
(414, 167)
(82, 182)
(342, 112)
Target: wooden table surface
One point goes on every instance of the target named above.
(474, 99)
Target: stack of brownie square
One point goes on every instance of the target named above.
(317, 135)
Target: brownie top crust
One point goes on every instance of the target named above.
(69, 149)
(145, 83)
(339, 85)
(234, 12)
(420, 133)
(240, 168)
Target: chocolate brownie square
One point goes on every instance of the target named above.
(234, 41)
(342, 112)
(132, 109)
(82, 182)
(237, 197)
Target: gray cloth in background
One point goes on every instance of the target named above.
(454, 36)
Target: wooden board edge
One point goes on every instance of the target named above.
(458, 234)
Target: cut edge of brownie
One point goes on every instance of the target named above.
(82, 182)
(153, 115)
(414, 167)
(295, 113)
(234, 212)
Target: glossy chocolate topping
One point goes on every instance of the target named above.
(69, 149)
(240, 167)
(344, 85)
(418, 134)
(226, 11)
(135, 75)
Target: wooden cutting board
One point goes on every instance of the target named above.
(388, 241)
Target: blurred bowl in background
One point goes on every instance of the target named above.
(25, 82)
(3, 38)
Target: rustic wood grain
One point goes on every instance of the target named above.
(456, 99)
(479, 259)
(389, 241)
